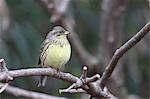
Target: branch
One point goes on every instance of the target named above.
(91, 88)
(79, 84)
(18, 92)
(120, 52)
(37, 72)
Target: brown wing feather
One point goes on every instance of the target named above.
(45, 42)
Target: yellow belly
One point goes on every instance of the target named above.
(57, 56)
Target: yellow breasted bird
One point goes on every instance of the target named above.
(55, 51)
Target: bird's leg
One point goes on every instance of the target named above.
(52, 67)
(57, 69)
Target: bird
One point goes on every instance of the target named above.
(55, 51)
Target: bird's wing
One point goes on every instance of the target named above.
(45, 42)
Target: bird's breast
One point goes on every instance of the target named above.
(57, 55)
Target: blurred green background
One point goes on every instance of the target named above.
(29, 24)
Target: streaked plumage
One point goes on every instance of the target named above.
(55, 50)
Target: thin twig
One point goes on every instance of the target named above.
(3, 68)
(18, 92)
(4, 87)
(93, 78)
(84, 72)
(3, 65)
(79, 90)
(68, 89)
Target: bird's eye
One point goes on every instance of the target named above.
(61, 32)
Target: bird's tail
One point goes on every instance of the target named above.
(42, 81)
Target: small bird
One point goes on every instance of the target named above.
(55, 51)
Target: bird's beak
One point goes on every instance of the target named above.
(66, 33)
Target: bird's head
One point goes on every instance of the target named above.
(57, 32)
